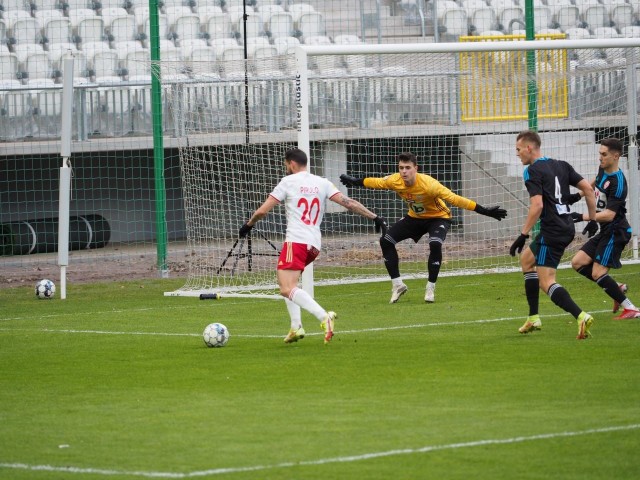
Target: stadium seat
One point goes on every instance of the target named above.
(137, 65)
(453, 18)
(480, 16)
(130, 46)
(605, 32)
(593, 13)
(86, 25)
(217, 25)
(8, 66)
(310, 24)
(620, 13)
(284, 44)
(631, 31)
(509, 14)
(119, 26)
(577, 33)
(15, 5)
(279, 24)
(56, 30)
(22, 27)
(58, 50)
(565, 14)
(144, 25)
(71, 5)
(109, 4)
(542, 15)
(33, 61)
(219, 44)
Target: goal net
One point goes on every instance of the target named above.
(354, 108)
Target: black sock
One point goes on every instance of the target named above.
(390, 255)
(532, 290)
(434, 262)
(561, 298)
(586, 271)
(611, 288)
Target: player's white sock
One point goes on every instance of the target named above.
(294, 314)
(396, 281)
(304, 300)
(628, 304)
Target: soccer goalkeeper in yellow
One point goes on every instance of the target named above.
(428, 213)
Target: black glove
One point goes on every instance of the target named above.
(493, 212)
(381, 225)
(577, 217)
(591, 229)
(518, 245)
(349, 181)
(573, 198)
(244, 230)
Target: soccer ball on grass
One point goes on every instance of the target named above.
(45, 289)
(215, 335)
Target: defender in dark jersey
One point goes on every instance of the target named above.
(603, 251)
(548, 182)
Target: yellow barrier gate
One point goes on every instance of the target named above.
(493, 85)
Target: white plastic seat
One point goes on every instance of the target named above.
(13, 5)
(298, 9)
(138, 65)
(593, 13)
(104, 64)
(631, 31)
(109, 4)
(565, 14)
(88, 27)
(163, 27)
(311, 24)
(254, 24)
(119, 25)
(8, 66)
(25, 30)
(45, 15)
(605, 32)
(480, 15)
(453, 18)
(43, 5)
(507, 12)
(205, 10)
(219, 44)
(72, 5)
(218, 25)
(124, 48)
(542, 16)
(577, 33)
(283, 44)
(279, 24)
(267, 9)
(38, 66)
(23, 50)
(186, 27)
(57, 30)
(620, 12)
(317, 40)
(58, 50)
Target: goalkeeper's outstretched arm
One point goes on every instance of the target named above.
(356, 207)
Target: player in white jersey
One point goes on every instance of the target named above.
(304, 196)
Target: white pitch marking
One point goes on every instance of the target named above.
(321, 461)
(360, 330)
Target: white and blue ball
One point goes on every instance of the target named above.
(215, 335)
(45, 289)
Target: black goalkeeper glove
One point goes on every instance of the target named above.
(591, 229)
(493, 212)
(381, 225)
(518, 245)
(577, 217)
(244, 230)
(349, 181)
(573, 198)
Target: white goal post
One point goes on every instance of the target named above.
(353, 109)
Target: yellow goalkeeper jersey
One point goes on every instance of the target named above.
(426, 198)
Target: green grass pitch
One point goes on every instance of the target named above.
(115, 382)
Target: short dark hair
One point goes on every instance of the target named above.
(408, 157)
(531, 137)
(613, 144)
(296, 155)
